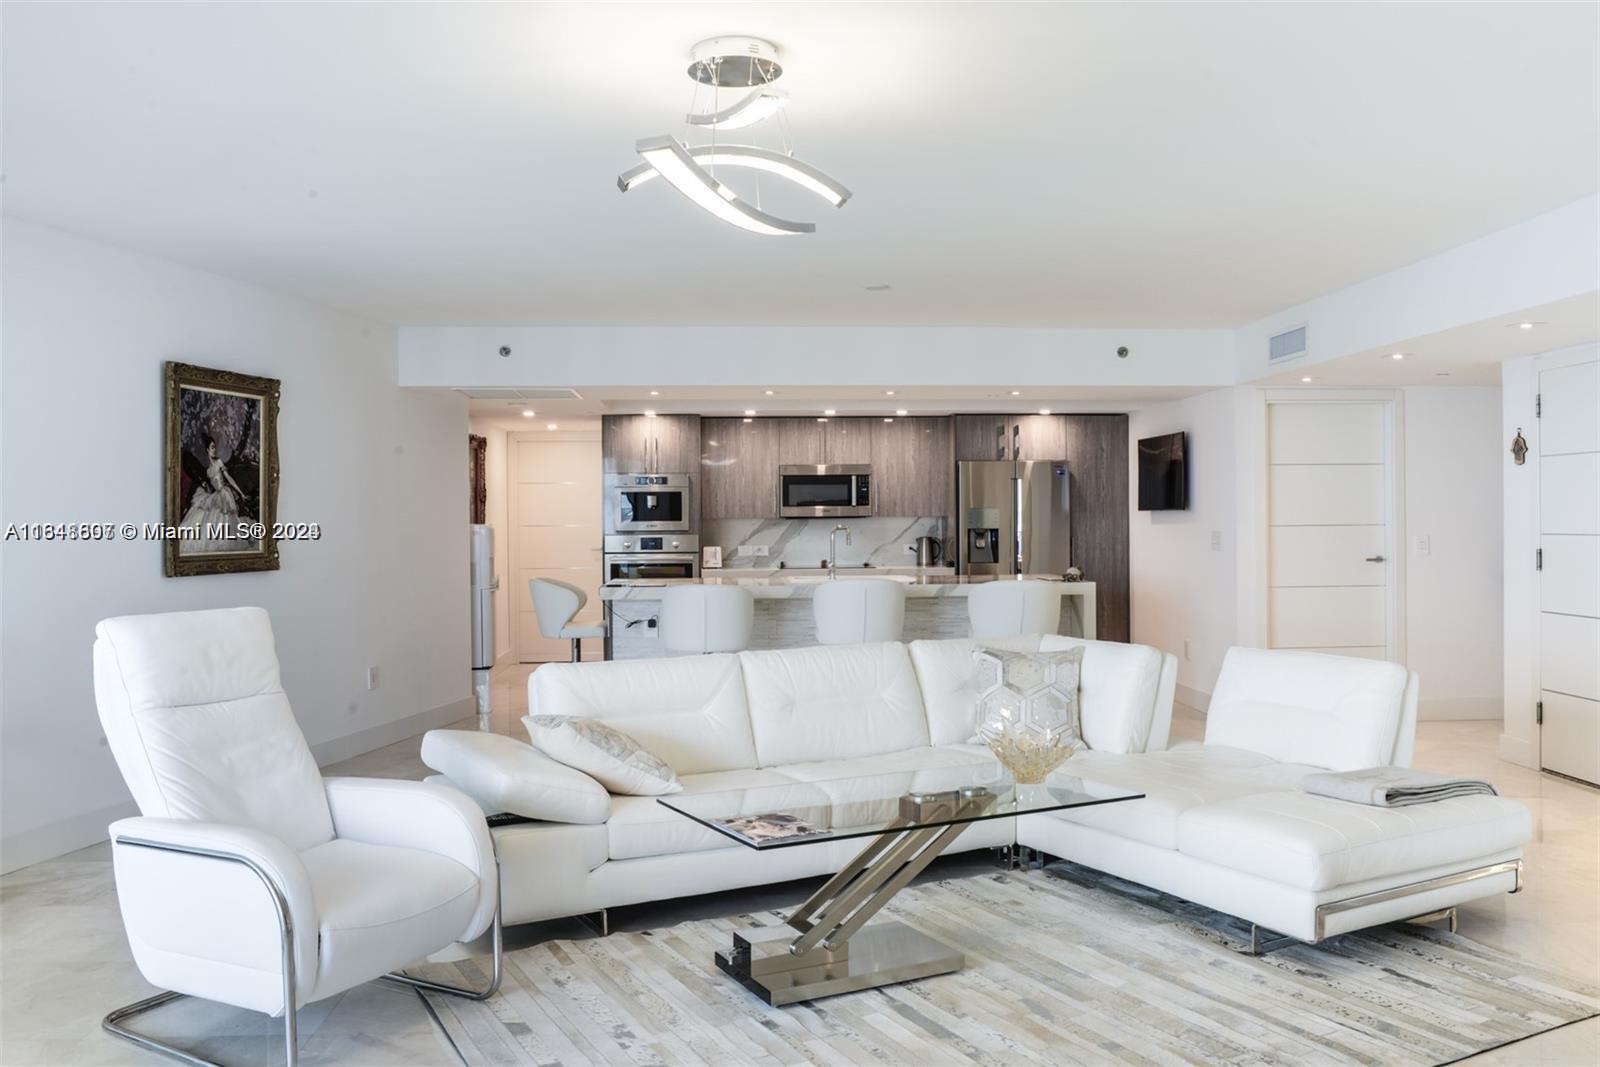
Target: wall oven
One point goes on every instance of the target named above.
(648, 502)
(823, 492)
(643, 558)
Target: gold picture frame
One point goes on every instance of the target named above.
(221, 471)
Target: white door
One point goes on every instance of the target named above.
(1569, 576)
(1330, 570)
(554, 513)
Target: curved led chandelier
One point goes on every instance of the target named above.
(742, 63)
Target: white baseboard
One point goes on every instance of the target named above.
(387, 733)
(503, 657)
(89, 828)
(60, 837)
(1461, 708)
(1519, 750)
(1192, 698)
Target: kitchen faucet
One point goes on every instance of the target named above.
(833, 546)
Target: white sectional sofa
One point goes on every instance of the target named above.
(1222, 823)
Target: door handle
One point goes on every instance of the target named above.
(1016, 447)
(1374, 559)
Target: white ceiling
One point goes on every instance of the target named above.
(1075, 164)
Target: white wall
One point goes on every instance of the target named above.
(85, 330)
(494, 505)
(1184, 588)
(1453, 594)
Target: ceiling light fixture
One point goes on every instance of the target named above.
(1397, 355)
(1307, 378)
(655, 392)
(1044, 411)
(900, 411)
(527, 414)
(732, 62)
(551, 426)
(888, 392)
(649, 414)
(1526, 325)
(769, 392)
(1016, 392)
(749, 411)
(759, 105)
(829, 411)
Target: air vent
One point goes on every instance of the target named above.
(521, 394)
(1287, 345)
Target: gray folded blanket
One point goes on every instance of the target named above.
(1392, 787)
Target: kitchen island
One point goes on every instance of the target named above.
(936, 605)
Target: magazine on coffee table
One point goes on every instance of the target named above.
(770, 827)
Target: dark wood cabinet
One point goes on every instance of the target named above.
(913, 467)
(738, 469)
(642, 444)
(846, 440)
(982, 437)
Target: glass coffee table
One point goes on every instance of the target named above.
(907, 819)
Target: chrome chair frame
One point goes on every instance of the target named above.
(112, 1023)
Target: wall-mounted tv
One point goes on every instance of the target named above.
(1164, 473)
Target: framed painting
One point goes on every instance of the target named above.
(221, 460)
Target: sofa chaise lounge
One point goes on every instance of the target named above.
(1222, 823)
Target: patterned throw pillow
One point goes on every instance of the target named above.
(1030, 693)
(609, 756)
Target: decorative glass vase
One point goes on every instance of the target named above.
(1028, 708)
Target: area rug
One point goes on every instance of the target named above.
(1064, 966)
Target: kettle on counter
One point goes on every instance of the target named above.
(928, 551)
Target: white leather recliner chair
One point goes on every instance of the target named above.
(248, 878)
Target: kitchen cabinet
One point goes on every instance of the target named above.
(847, 440)
(913, 466)
(982, 437)
(738, 469)
(642, 444)
(796, 441)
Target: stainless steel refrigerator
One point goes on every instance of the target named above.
(1013, 517)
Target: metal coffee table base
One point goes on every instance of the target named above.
(826, 948)
(880, 954)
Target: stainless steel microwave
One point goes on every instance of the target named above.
(824, 491)
(642, 503)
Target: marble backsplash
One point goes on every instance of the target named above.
(880, 541)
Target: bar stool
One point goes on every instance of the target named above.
(1009, 608)
(707, 618)
(858, 610)
(555, 604)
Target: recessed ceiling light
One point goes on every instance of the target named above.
(888, 392)
(900, 411)
(655, 392)
(1016, 392)
(771, 393)
(749, 411)
(649, 414)
(1307, 378)
(1397, 355)
(551, 426)
(1044, 411)
(1526, 325)
(829, 411)
(528, 414)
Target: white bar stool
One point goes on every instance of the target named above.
(1011, 608)
(707, 618)
(857, 610)
(555, 604)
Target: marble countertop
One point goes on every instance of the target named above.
(795, 583)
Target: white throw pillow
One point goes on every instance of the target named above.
(503, 774)
(611, 757)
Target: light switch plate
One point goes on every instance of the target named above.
(1422, 544)
(372, 678)
(1216, 540)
